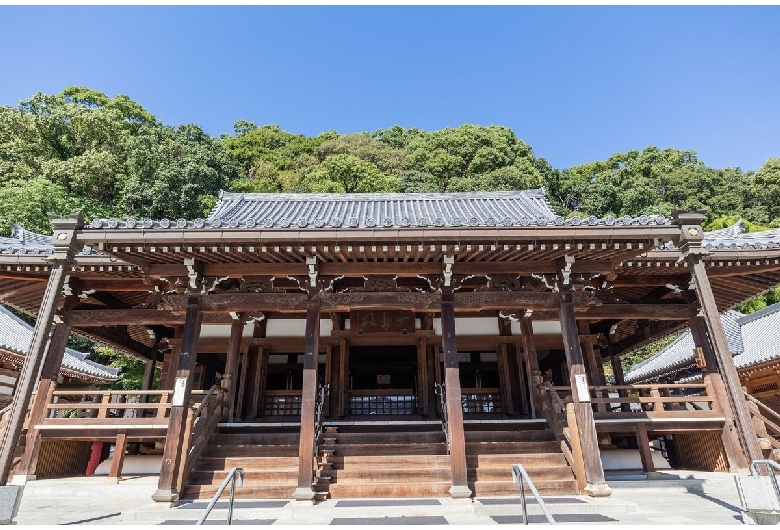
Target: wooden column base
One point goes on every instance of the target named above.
(165, 495)
(303, 494)
(460, 492)
(598, 490)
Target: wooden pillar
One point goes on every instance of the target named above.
(594, 473)
(343, 404)
(712, 378)
(120, 447)
(304, 491)
(690, 242)
(423, 384)
(532, 371)
(180, 405)
(645, 454)
(513, 395)
(620, 380)
(460, 488)
(230, 377)
(65, 248)
(25, 469)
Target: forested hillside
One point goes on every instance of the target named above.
(111, 157)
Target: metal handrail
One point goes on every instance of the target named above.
(772, 466)
(231, 478)
(518, 474)
(322, 396)
(445, 426)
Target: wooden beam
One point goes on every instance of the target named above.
(25, 384)
(460, 488)
(531, 361)
(230, 377)
(644, 448)
(304, 490)
(173, 457)
(120, 448)
(594, 473)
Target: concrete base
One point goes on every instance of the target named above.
(760, 504)
(21, 480)
(598, 490)
(304, 494)
(653, 475)
(460, 492)
(165, 496)
(10, 498)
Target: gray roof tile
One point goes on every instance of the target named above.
(15, 337)
(753, 339)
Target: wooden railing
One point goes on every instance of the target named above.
(111, 407)
(766, 423)
(201, 420)
(481, 400)
(660, 401)
(563, 423)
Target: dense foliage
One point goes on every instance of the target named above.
(110, 157)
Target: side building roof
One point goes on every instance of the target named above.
(753, 339)
(15, 337)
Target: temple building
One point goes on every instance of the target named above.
(390, 345)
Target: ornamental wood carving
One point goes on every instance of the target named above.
(381, 321)
(380, 284)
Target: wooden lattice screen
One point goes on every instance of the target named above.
(62, 459)
(701, 452)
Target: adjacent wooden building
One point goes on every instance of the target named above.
(391, 344)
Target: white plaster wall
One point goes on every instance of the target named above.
(471, 326)
(541, 327)
(294, 327)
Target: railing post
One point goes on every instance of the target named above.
(576, 448)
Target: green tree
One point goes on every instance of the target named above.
(348, 174)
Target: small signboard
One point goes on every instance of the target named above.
(178, 391)
(383, 379)
(382, 321)
(698, 355)
(581, 382)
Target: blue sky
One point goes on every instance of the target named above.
(577, 83)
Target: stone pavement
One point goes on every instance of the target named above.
(675, 498)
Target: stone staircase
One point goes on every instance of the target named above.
(268, 455)
(492, 449)
(387, 460)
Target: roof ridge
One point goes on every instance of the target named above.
(768, 310)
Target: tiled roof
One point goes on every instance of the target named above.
(380, 210)
(15, 337)
(735, 237)
(753, 339)
(23, 241)
(680, 351)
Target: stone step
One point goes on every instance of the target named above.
(251, 476)
(509, 436)
(248, 491)
(393, 474)
(262, 462)
(250, 450)
(381, 462)
(392, 449)
(344, 438)
(544, 487)
(528, 460)
(482, 448)
(505, 473)
(390, 490)
(240, 438)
